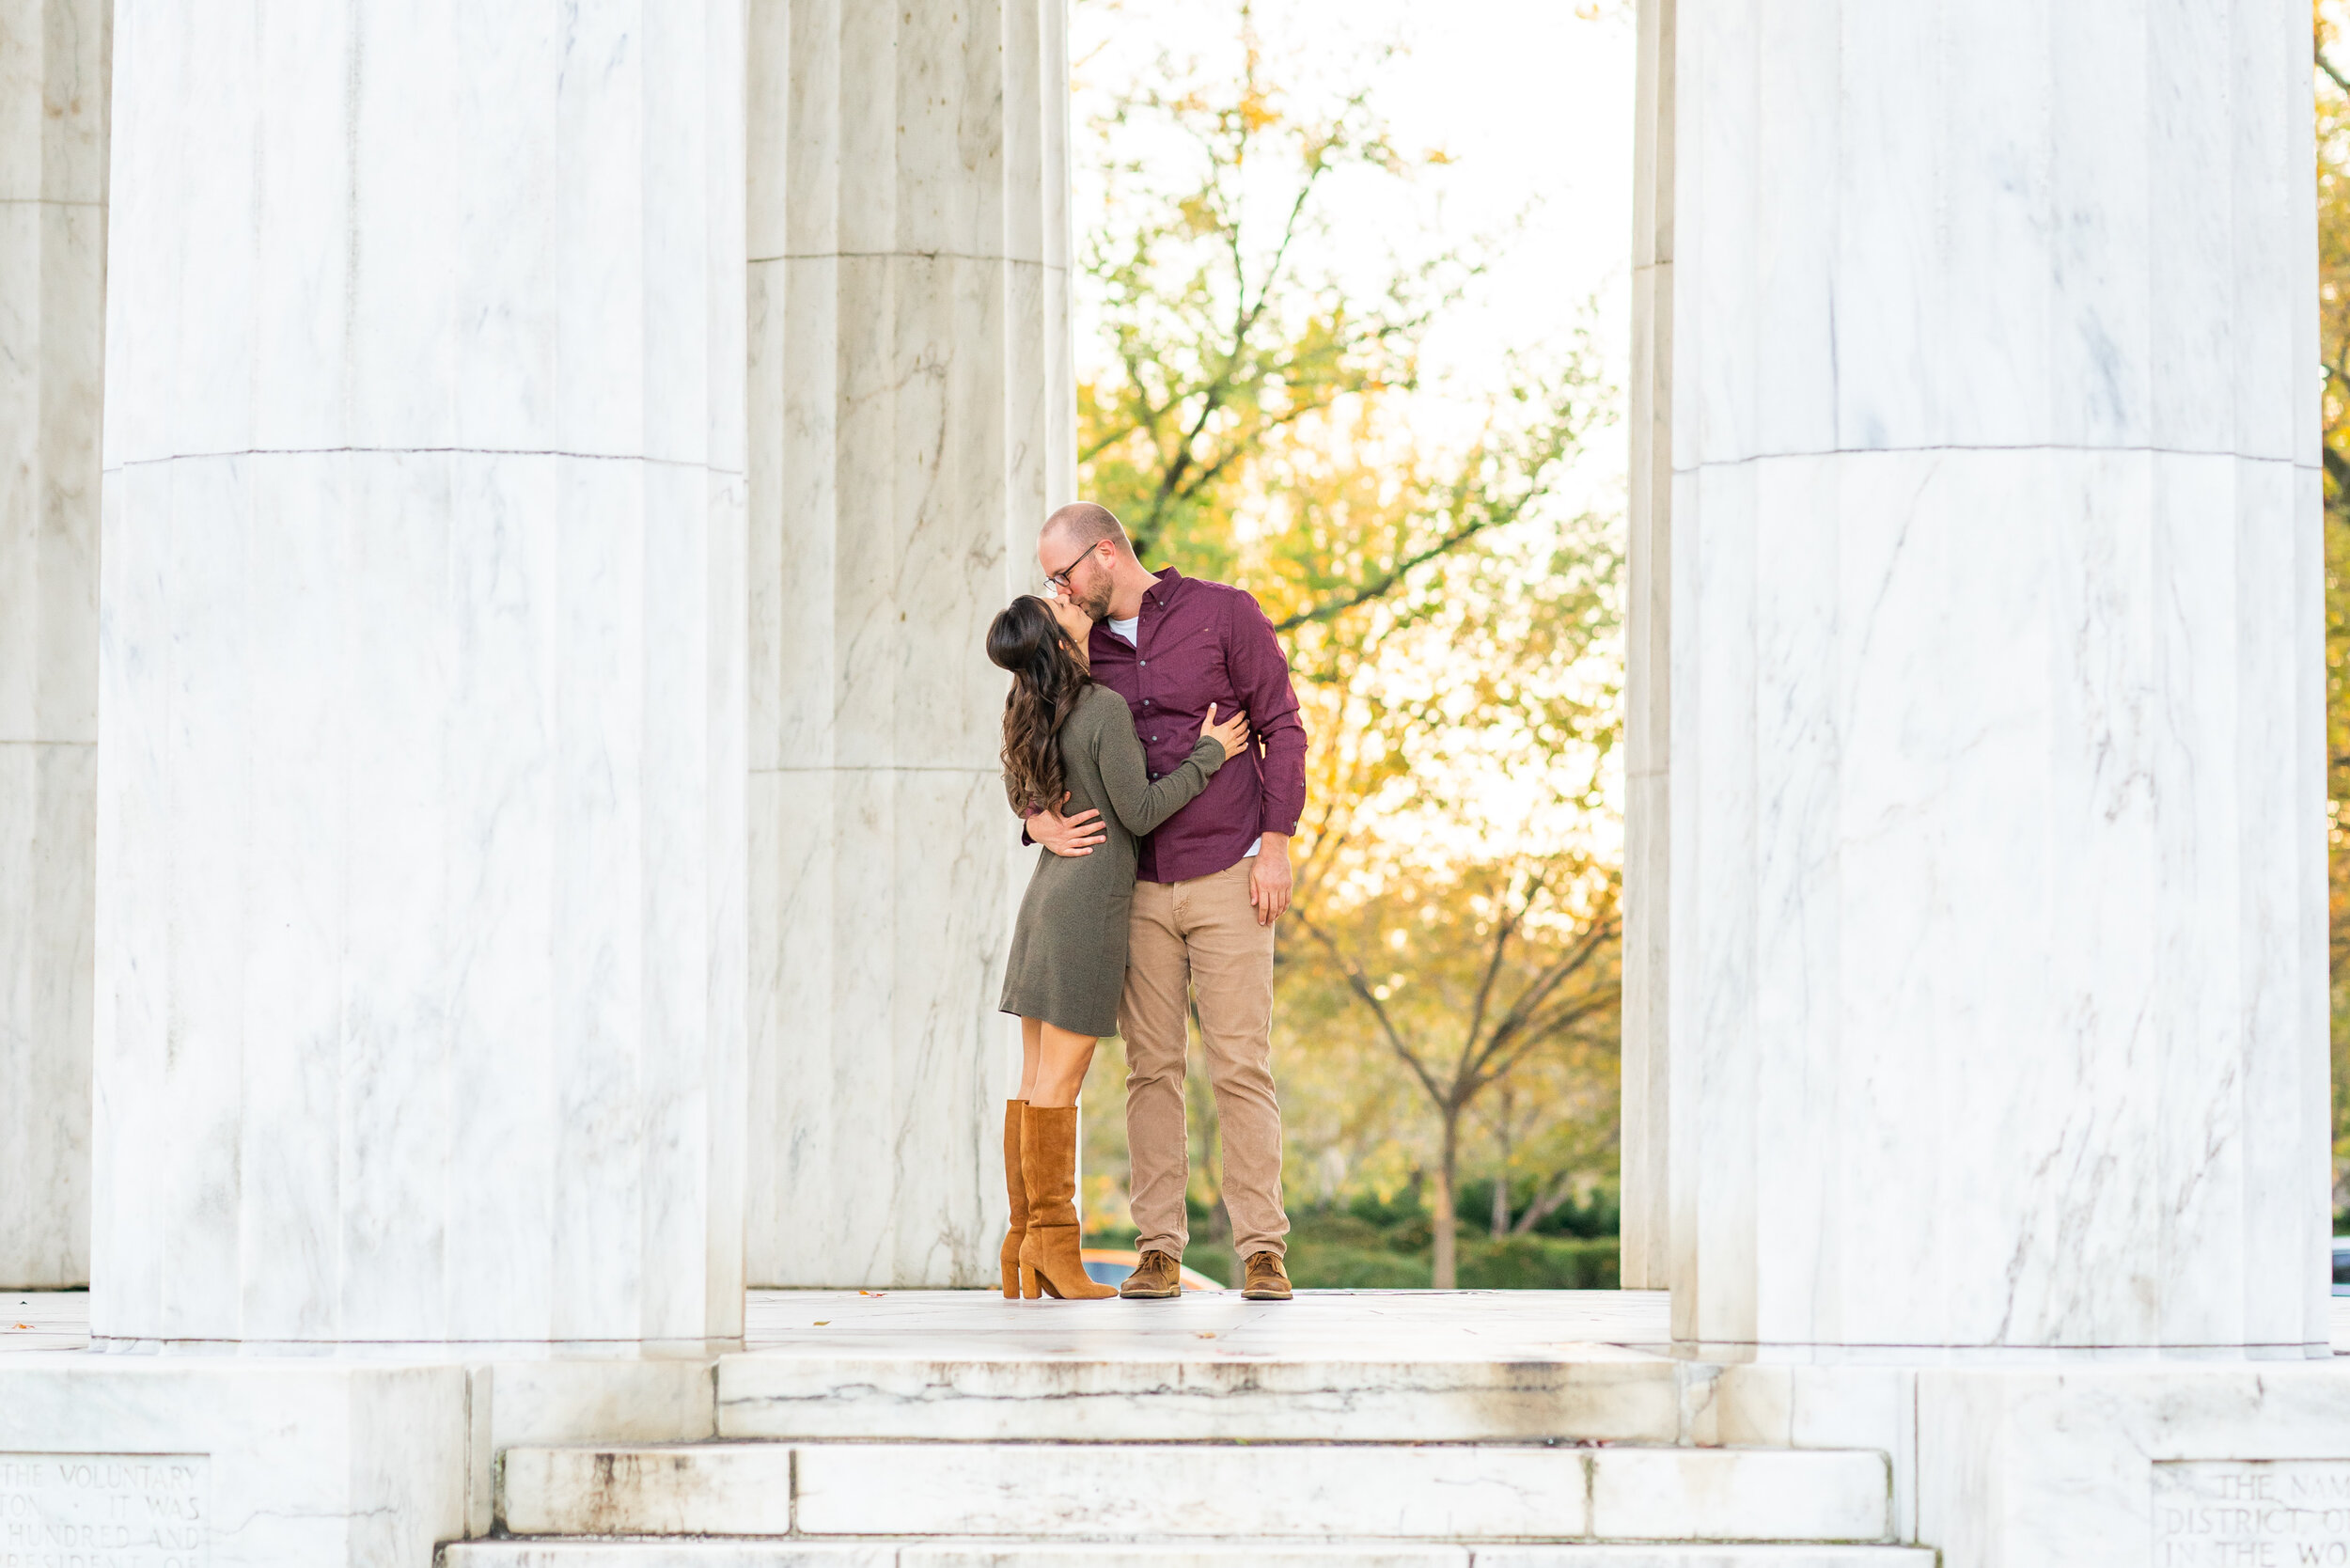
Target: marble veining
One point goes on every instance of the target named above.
(420, 897)
(1992, 956)
(377, 1475)
(911, 423)
(53, 64)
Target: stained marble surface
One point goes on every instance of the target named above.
(1394, 1325)
(1995, 996)
(1205, 1325)
(420, 946)
(1160, 1491)
(911, 424)
(2055, 1470)
(1253, 1550)
(53, 64)
(311, 1461)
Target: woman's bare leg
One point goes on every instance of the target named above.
(1029, 1053)
(1063, 1058)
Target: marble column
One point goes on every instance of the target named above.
(1645, 1203)
(1995, 937)
(420, 888)
(54, 60)
(912, 421)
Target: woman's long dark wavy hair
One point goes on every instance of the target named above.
(1047, 677)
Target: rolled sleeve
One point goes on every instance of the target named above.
(1260, 677)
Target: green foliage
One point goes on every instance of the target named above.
(1597, 1215)
(1344, 1252)
(1541, 1264)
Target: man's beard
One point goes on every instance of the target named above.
(1095, 602)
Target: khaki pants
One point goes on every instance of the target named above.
(1202, 937)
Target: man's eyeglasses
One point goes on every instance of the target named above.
(1060, 579)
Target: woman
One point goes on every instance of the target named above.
(1067, 738)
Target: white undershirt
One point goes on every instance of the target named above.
(1129, 629)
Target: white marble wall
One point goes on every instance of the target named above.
(54, 60)
(912, 421)
(1997, 910)
(420, 892)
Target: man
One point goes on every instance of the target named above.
(1208, 887)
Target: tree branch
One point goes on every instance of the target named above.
(1381, 586)
(1545, 1203)
(1360, 984)
(1530, 1000)
(2328, 66)
(1501, 946)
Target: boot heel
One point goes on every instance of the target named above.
(1027, 1284)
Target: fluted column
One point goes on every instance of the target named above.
(419, 898)
(1646, 1193)
(912, 421)
(1996, 807)
(54, 60)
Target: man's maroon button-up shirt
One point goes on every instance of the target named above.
(1200, 643)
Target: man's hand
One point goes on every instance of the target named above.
(1073, 837)
(1269, 878)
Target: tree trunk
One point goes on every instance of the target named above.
(1447, 1273)
(1501, 1180)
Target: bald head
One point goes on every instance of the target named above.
(1081, 525)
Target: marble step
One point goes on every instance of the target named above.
(1199, 1554)
(1582, 1392)
(1169, 1491)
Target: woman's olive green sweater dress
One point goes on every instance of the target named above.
(1068, 962)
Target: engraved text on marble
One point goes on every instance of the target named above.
(114, 1509)
(2251, 1514)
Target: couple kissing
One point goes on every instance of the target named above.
(1153, 746)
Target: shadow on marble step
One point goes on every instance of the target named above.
(1201, 1554)
(1153, 1492)
(1596, 1393)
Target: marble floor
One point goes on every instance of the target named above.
(1421, 1325)
(1418, 1326)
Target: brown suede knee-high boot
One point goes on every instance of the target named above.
(1016, 1188)
(1049, 1253)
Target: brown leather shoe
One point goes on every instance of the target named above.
(1266, 1280)
(1158, 1276)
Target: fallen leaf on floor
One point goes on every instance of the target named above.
(872, 1293)
(20, 1325)
(824, 1323)
(1207, 1333)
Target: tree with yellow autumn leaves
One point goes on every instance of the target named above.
(1451, 619)
(2333, 307)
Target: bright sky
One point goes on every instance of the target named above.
(1532, 100)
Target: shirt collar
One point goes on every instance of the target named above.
(1163, 594)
